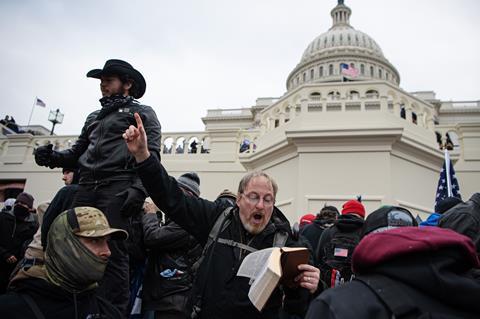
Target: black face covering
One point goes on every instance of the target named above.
(111, 104)
(21, 212)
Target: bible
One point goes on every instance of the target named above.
(268, 267)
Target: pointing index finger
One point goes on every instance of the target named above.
(138, 119)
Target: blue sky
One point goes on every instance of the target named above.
(205, 54)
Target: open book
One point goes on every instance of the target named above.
(267, 267)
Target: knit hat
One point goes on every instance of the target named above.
(353, 207)
(306, 219)
(25, 198)
(446, 203)
(388, 217)
(191, 182)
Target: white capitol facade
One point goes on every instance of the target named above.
(324, 141)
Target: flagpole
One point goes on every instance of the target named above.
(447, 168)
(31, 113)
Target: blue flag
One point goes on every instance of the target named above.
(447, 184)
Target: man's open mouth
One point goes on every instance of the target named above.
(257, 217)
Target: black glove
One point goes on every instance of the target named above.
(134, 199)
(43, 155)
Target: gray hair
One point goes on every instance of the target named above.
(248, 177)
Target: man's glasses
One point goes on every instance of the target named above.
(254, 199)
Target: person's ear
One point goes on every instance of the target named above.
(127, 85)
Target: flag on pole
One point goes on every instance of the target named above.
(349, 70)
(40, 102)
(448, 183)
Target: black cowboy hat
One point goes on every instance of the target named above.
(119, 67)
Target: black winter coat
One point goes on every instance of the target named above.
(170, 247)
(100, 151)
(13, 235)
(54, 302)
(61, 202)
(225, 295)
(313, 232)
(464, 218)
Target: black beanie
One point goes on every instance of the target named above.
(387, 217)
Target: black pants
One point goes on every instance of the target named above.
(5, 272)
(115, 284)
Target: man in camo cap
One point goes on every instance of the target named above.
(75, 261)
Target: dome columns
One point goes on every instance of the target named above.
(341, 15)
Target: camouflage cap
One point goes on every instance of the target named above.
(91, 222)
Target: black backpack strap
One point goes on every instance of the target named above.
(393, 295)
(222, 222)
(280, 239)
(33, 306)
(236, 244)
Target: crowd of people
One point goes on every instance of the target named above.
(124, 239)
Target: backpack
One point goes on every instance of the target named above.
(335, 266)
(405, 302)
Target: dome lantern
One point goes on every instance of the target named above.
(341, 15)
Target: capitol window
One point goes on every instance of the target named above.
(372, 94)
(312, 73)
(333, 95)
(354, 95)
(371, 71)
(330, 69)
(304, 76)
(362, 69)
(380, 73)
(320, 71)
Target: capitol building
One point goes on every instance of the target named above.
(343, 128)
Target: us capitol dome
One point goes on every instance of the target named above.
(321, 61)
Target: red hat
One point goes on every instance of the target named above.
(306, 219)
(353, 207)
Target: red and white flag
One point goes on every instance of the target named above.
(349, 70)
(40, 102)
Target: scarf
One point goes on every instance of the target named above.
(112, 103)
(68, 263)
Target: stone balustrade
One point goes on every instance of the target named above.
(348, 97)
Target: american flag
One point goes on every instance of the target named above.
(349, 70)
(447, 184)
(39, 102)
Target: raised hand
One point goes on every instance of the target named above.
(136, 139)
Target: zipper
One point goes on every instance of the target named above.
(14, 225)
(100, 135)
